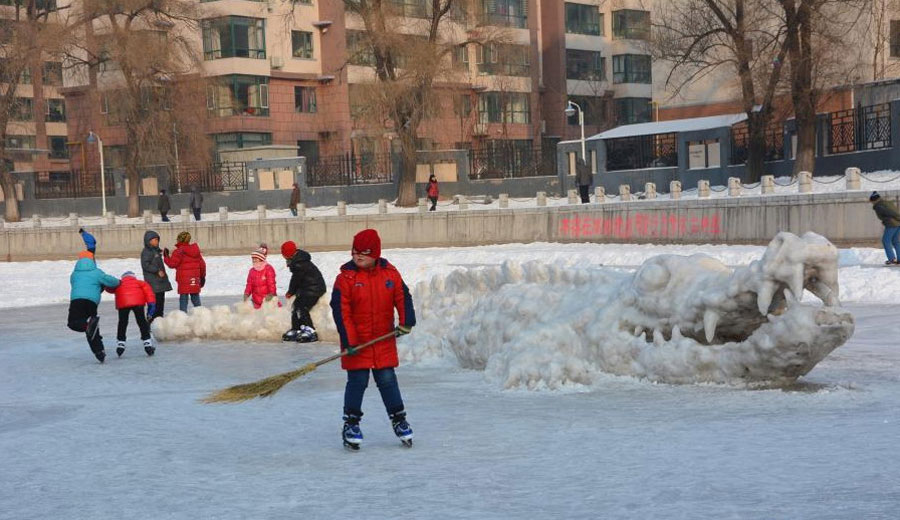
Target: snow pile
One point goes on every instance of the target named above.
(238, 322)
(677, 319)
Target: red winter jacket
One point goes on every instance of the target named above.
(189, 267)
(433, 190)
(363, 303)
(260, 284)
(132, 292)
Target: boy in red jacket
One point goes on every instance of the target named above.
(131, 296)
(365, 294)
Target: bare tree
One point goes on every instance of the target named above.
(698, 38)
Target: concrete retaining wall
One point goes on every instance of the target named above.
(846, 218)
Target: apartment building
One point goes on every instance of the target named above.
(36, 134)
(288, 74)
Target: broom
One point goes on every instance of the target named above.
(268, 386)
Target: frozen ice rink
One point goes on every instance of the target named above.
(128, 439)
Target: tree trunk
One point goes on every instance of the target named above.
(805, 161)
(11, 214)
(803, 94)
(134, 203)
(756, 152)
(406, 189)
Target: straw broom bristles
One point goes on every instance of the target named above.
(269, 386)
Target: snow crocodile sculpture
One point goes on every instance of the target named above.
(677, 319)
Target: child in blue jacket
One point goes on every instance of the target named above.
(88, 281)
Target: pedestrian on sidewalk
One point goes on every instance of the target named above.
(890, 218)
(433, 192)
(196, 202)
(584, 178)
(295, 199)
(163, 205)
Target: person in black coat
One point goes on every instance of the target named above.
(306, 287)
(163, 205)
(154, 270)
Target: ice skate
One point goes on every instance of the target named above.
(91, 329)
(307, 335)
(120, 348)
(351, 434)
(402, 429)
(290, 335)
(148, 347)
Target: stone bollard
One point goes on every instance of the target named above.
(804, 182)
(703, 189)
(301, 210)
(73, 220)
(223, 213)
(734, 187)
(853, 181)
(599, 194)
(185, 215)
(111, 218)
(423, 205)
(342, 208)
(650, 190)
(463, 203)
(625, 192)
(767, 184)
(382, 207)
(261, 211)
(148, 216)
(573, 197)
(675, 189)
(541, 198)
(504, 201)
(2, 223)
(36, 220)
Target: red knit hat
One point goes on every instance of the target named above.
(259, 254)
(367, 240)
(288, 249)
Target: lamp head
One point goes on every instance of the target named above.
(570, 111)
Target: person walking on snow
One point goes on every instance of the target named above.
(131, 296)
(890, 217)
(433, 192)
(295, 199)
(88, 282)
(196, 202)
(190, 270)
(163, 205)
(154, 270)
(260, 280)
(365, 295)
(585, 179)
(306, 288)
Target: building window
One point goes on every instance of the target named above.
(632, 110)
(56, 111)
(234, 37)
(504, 107)
(58, 147)
(305, 99)
(631, 68)
(462, 105)
(234, 140)
(22, 109)
(631, 24)
(53, 73)
(239, 95)
(20, 142)
(506, 13)
(308, 149)
(359, 49)
(412, 8)
(460, 58)
(585, 65)
(584, 19)
(594, 110)
(302, 44)
(503, 60)
(895, 38)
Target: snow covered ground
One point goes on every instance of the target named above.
(128, 439)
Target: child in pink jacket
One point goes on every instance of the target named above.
(260, 280)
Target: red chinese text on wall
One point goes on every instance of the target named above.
(640, 225)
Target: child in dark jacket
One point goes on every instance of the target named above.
(88, 283)
(365, 295)
(306, 287)
(131, 296)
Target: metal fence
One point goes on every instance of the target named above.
(349, 169)
(644, 151)
(78, 184)
(858, 129)
(740, 142)
(511, 162)
(224, 176)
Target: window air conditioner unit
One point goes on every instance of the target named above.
(277, 62)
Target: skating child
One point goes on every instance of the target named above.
(190, 269)
(87, 283)
(155, 272)
(260, 280)
(131, 296)
(306, 287)
(365, 294)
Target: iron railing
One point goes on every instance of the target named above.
(858, 129)
(77, 184)
(645, 151)
(740, 142)
(224, 176)
(511, 162)
(350, 169)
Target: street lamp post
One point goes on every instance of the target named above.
(91, 138)
(570, 111)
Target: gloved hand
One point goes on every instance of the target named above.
(269, 297)
(202, 281)
(288, 296)
(246, 297)
(161, 273)
(352, 351)
(403, 330)
(166, 252)
(151, 310)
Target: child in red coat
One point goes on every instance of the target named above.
(260, 280)
(366, 293)
(190, 269)
(131, 296)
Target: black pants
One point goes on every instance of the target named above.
(585, 192)
(433, 203)
(165, 217)
(196, 214)
(80, 311)
(300, 314)
(160, 305)
(138, 316)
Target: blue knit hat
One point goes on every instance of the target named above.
(90, 243)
